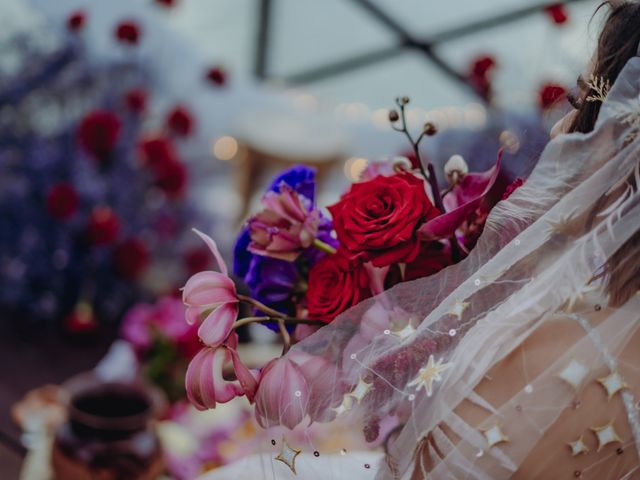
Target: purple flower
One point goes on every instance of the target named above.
(299, 177)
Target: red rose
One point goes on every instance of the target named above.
(62, 201)
(166, 3)
(171, 178)
(127, 32)
(377, 220)
(550, 94)
(103, 226)
(98, 133)
(335, 284)
(217, 76)
(136, 100)
(131, 258)
(155, 152)
(557, 13)
(180, 121)
(76, 21)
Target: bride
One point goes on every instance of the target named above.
(522, 361)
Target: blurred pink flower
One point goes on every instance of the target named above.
(286, 226)
(463, 200)
(205, 383)
(165, 317)
(211, 295)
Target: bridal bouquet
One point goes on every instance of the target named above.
(305, 265)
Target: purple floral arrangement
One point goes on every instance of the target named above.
(90, 202)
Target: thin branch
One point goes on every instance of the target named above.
(261, 306)
(289, 320)
(285, 336)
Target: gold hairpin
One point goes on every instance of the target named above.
(600, 86)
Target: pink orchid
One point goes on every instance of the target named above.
(211, 295)
(464, 199)
(285, 227)
(205, 383)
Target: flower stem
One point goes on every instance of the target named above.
(325, 247)
(430, 177)
(261, 306)
(286, 338)
(290, 320)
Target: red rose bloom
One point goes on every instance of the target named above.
(103, 226)
(76, 21)
(166, 3)
(180, 121)
(377, 220)
(136, 100)
(171, 178)
(550, 94)
(131, 258)
(217, 76)
(335, 284)
(127, 32)
(62, 201)
(98, 133)
(557, 13)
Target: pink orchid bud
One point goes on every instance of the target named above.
(211, 297)
(205, 383)
(286, 226)
(283, 394)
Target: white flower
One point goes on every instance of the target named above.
(455, 168)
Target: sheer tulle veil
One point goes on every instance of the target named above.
(396, 366)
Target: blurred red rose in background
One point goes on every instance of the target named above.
(62, 201)
(557, 13)
(103, 226)
(136, 100)
(180, 121)
(550, 94)
(128, 32)
(171, 178)
(156, 151)
(76, 21)
(217, 76)
(131, 258)
(98, 133)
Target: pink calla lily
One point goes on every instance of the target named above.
(205, 383)
(465, 198)
(211, 297)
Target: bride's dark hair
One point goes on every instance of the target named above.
(618, 42)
